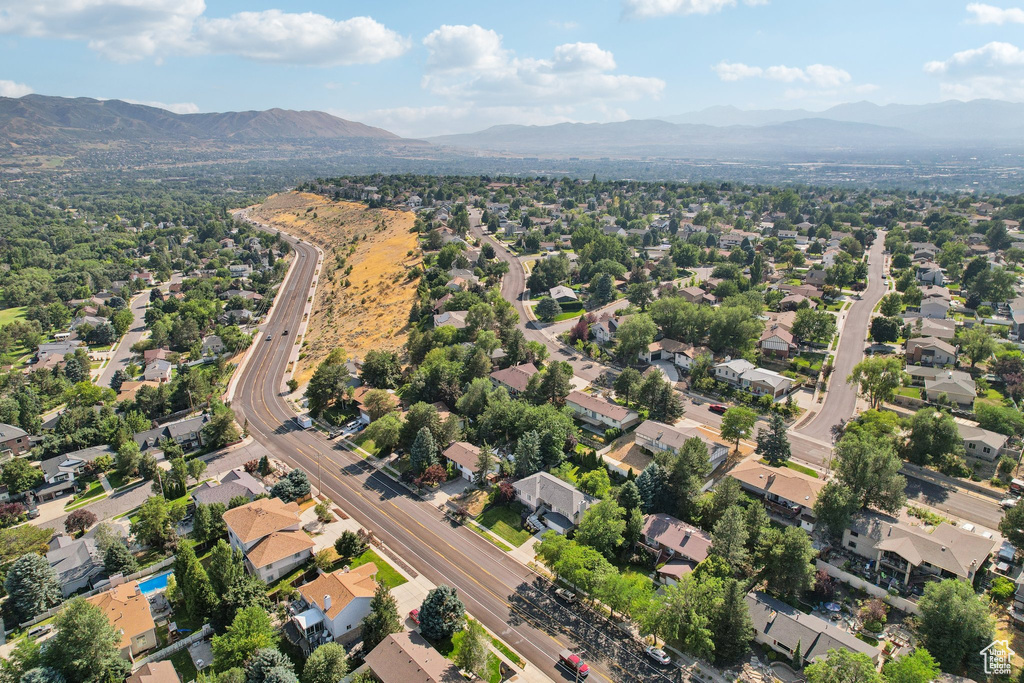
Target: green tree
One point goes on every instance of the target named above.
(737, 424)
(32, 586)
(328, 383)
(475, 648)
(327, 664)
(269, 665)
(933, 434)
(18, 475)
(655, 489)
(640, 294)
(977, 344)
(877, 378)
(194, 585)
(85, 646)
(221, 429)
(527, 454)
(596, 483)
(442, 613)
(119, 560)
(634, 527)
(127, 459)
(787, 560)
(687, 473)
(155, 523)
(208, 522)
(349, 545)
(731, 625)
(634, 335)
(892, 305)
(602, 527)
(385, 432)
(917, 667)
(1012, 525)
(629, 496)
(834, 506)
(627, 384)
(381, 369)
(423, 453)
(843, 666)
(225, 568)
(382, 620)
(244, 591)
(547, 309)
(729, 537)
(868, 466)
(292, 486)
(772, 443)
(250, 630)
(885, 330)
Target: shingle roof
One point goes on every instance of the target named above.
(554, 491)
(688, 541)
(671, 437)
(785, 483)
(598, 405)
(343, 587)
(155, 672)
(261, 517)
(989, 438)
(464, 454)
(277, 546)
(74, 560)
(406, 657)
(789, 626)
(8, 432)
(126, 609)
(516, 377)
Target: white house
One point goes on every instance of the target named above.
(658, 436)
(268, 532)
(930, 351)
(761, 382)
(158, 371)
(731, 370)
(559, 504)
(981, 443)
(600, 412)
(335, 605)
(463, 456)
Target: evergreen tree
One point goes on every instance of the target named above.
(423, 453)
(729, 537)
(655, 492)
(732, 625)
(269, 665)
(629, 496)
(442, 614)
(383, 619)
(527, 456)
(85, 648)
(484, 465)
(772, 443)
(32, 586)
(327, 664)
(196, 590)
(119, 560)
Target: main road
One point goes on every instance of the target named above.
(504, 595)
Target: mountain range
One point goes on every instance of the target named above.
(53, 119)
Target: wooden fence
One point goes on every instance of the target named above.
(173, 647)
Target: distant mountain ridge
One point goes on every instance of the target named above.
(82, 118)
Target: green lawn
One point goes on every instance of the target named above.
(505, 522)
(182, 662)
(92, 493)
(386, 574)
(487, 536)
(912, 392)
(492, 669)
(809, 362)
(116, 481)
(9, 315)
(794, 466)
(367, 445)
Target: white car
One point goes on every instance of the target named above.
(1007, 503)
(657, 654)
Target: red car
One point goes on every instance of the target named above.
(574, 663)
(415, 616)
(718, 408)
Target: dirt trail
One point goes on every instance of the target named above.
(368, 306)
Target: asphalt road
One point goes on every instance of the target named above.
(841, 399)
(122, 355)
(495, 588)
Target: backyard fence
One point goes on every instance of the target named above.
(173, 647)
(870, 588)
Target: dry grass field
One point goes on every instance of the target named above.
(363, 294)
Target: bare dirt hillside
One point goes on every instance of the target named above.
(363, 295)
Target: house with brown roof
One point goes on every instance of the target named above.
(155, 672)
(787, 494)
(777, 340)
(680, 546)
(599, 412)
(930, 351)
(463, 457)
(514, 378)
(127, 610)
(333, 606)
(407, 657)
(268, 532)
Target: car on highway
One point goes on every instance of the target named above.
(574, 663)
(269, 337)
(657, 654)
(718, 408)
(565, 595)
(285, 333)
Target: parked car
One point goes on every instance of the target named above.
(565, 595)
(718, 408)
(657, 654)
(574, 663)
(1007, 503)
(415, 616)
(1016, 486)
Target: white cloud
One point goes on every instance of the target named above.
(176, 107)
(647, 9)
(564, 25)
(12, 89)
(130, 30)
(989, 14)
(817, 75)
(994, 70)
(469, 63)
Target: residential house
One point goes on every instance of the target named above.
(785, 628)
(158, 371)
(734, 238)
(680, 546)
(559, 504)
(981, 443)
(240, 269)
(56, 349)
(777, 341)
(76, 563)
(130, 389)
(456, 319)
(664, 349)
(604, 329)
(187, 433)
(695, 295)
(514, 378)
(14, 440)
(562, 294)
(815, 277)
(600, 412)
(213, 345)
(935, 302)
(730, 371)
(463, 456)
(268, 532)
(786, 493)
(69, 465)
(333, 606)
(407, 657)
(234, 484)
(913, 555)
(930, 273)
(828, 259)
(956, 385)
(761, 382)
(155, 672)
(150, 355)
(660, 437)
(794, 301)
(940, 328)
(930, 351)
(127, 610)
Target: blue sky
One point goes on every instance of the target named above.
(421, 68)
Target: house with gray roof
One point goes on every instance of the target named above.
(657, 437)
(784, 628)
(930, 351)
(234, 484)
(59, 349)
(558, 503)
(186, 433)
(562, 294)
(599, 412)
(957, 386)
(77, 563)
(69, 465)
(981, 443)
(159, 370)
(14, 439)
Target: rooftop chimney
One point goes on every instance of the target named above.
(771, 478)
(327, 602)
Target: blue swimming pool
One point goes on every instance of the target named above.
(154, 583)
